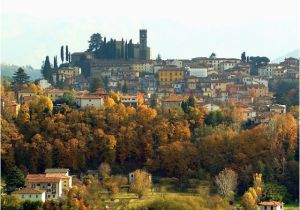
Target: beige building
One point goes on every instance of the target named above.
(31, 194)
(168, 75)
(65, 73)
(62, 173)
(54, 94)
(89, 100)
(270, 205)
(171, 103)
(52, 185)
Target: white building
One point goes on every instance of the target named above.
(89, 100)
(44, 83)
(198, 72)
(52, 185)
(177, 63)
(211, 107)
(255, 81)
(267, 71)
(62, 173)
(270, 205)
(31, 194)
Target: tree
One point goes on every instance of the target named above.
(104, 170)
(95, 42)
(95, 84)
(227, 182)
(55, 65)
(141, 183)
(248, 201)
(47, 70)
(41, 104)
(62, 53)
(274, 192)
(10, 202)
(14, 179)
(158, 59)
(67, 53)
(19, 79)
(213, 55)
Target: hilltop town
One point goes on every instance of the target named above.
(110, 118)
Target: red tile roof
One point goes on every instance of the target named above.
(28, 191)
(41, 178)
(270, 203)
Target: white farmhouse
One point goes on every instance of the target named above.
(31, 194)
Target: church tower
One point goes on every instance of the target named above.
(143, 44)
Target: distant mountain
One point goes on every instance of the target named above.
(9, 70)
(295, 54)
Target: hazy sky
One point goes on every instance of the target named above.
(32, 29)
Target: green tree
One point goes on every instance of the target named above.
(95, 84)
(62, 53)
(14, 179)
(243, 57)
(55, 65)
(47, 69)
(19, 79)
(95, 42)
(67, 53)
(32, 205)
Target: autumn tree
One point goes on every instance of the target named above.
(227, 183)
(141, 183)
(104, 170)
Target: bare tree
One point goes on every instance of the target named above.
(226, 182)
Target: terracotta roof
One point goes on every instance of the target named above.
(56, 91)
(41, 178)
(270, 203)
(172, 100)
(28, 191)
(89, 97)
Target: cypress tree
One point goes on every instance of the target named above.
(126, 50)
(62, 54)
(55, 66)
(122, 49)
(47, 70)
(67, 53)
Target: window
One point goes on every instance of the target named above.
(53, 196)
(22, 196)
(36, 196)
(29, 196)
(48, 196)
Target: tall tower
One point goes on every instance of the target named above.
(143, 44)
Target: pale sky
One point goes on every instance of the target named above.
(32, 29)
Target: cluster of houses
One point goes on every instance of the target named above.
(213, 81)
(48, 186)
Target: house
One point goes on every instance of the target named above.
(11, 108)
(52, 185)
(23, 95)
(66, 72)
(210, 107)
(62, 173)
(278, 108)
(175, 62)
(256, 90)
(267, 71)
(132, 100)
(31, 194)
(89, 100)
(54, 94)
(168, 75)
(270, 205)
(171, 103)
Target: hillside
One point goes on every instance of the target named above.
(9, 70)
